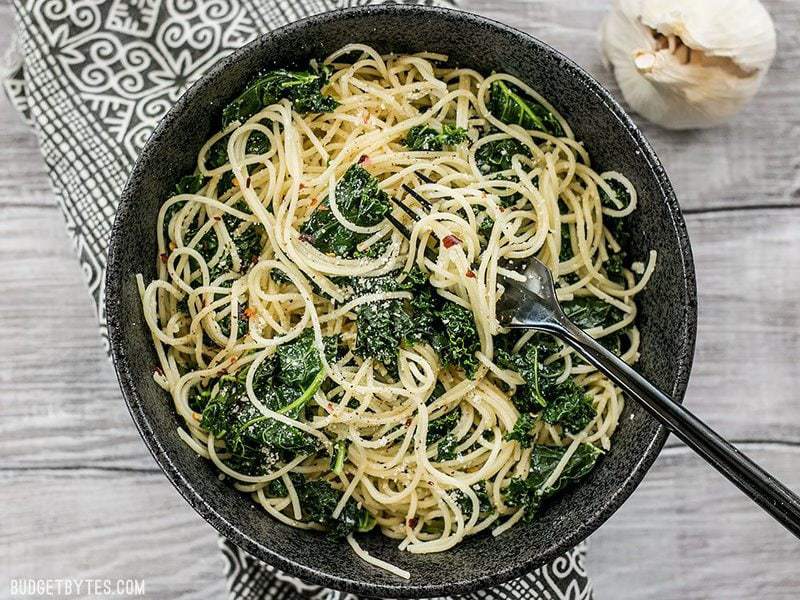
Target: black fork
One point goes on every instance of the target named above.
(533, 304)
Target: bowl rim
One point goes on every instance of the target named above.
(113, 284)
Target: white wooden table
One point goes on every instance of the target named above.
(81, 497)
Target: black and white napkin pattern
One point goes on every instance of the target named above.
(94, 77)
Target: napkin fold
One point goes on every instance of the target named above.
(93, 78)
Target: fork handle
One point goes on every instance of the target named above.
(763, 488)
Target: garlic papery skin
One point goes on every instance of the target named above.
(687, 64)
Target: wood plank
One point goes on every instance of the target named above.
(687, 533)
(745, 374)
(59, 393)
(90, 524)
(750, 161)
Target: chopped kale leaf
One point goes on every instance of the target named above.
(512, 107)
(496, 156)
(302, 88)
(447, 448)
(318, 500)
(622, 197)
(456, 340)
(562, 403)
(522, 431)
(190, 184)
(428, 139)
(284, 383)
(360, 200)
(384, 327)
(443, 425)
(527, 493)
(570, 407)
(465, 504)
(588, 312)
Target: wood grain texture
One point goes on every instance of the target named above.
(687, 533)
(103, 524)
(75, 468)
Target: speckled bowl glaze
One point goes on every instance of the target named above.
(667, 316)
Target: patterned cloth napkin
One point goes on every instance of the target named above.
(93, 77)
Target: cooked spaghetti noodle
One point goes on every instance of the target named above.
(428, 448)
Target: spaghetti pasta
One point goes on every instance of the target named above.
(445, 433)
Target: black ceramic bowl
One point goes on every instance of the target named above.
(667, 307)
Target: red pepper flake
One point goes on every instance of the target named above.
(164, 257)
(217, 218)
(247, 183)
(330, 407)
(471, 274)
(158, 371)
(450, 240)
(304, 237)
(412, 522)
(408, 421)
(301, 186)
(249, 312)
(363, 159)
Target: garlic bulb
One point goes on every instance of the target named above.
(688, 63)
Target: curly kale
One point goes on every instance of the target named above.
(447, 449)
(456, 340)
(588, 312)
(496, 156)
(539, 377)
(381, 329)
(521, 431)
(622, 197)
(318, 500)
(527, 493)
(615, 267)
(562, 403)
(360, 200)
(242, 322)
(443, 425)
(190, 184)
(384, 327)
(248, 243)
(569, 407)
(428, 139)
(511, 106)
(439, 430)
(302, 88)
(485, 506)
(285, 382)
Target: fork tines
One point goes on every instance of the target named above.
(423, 201)
(406, 209)
(404, 231)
